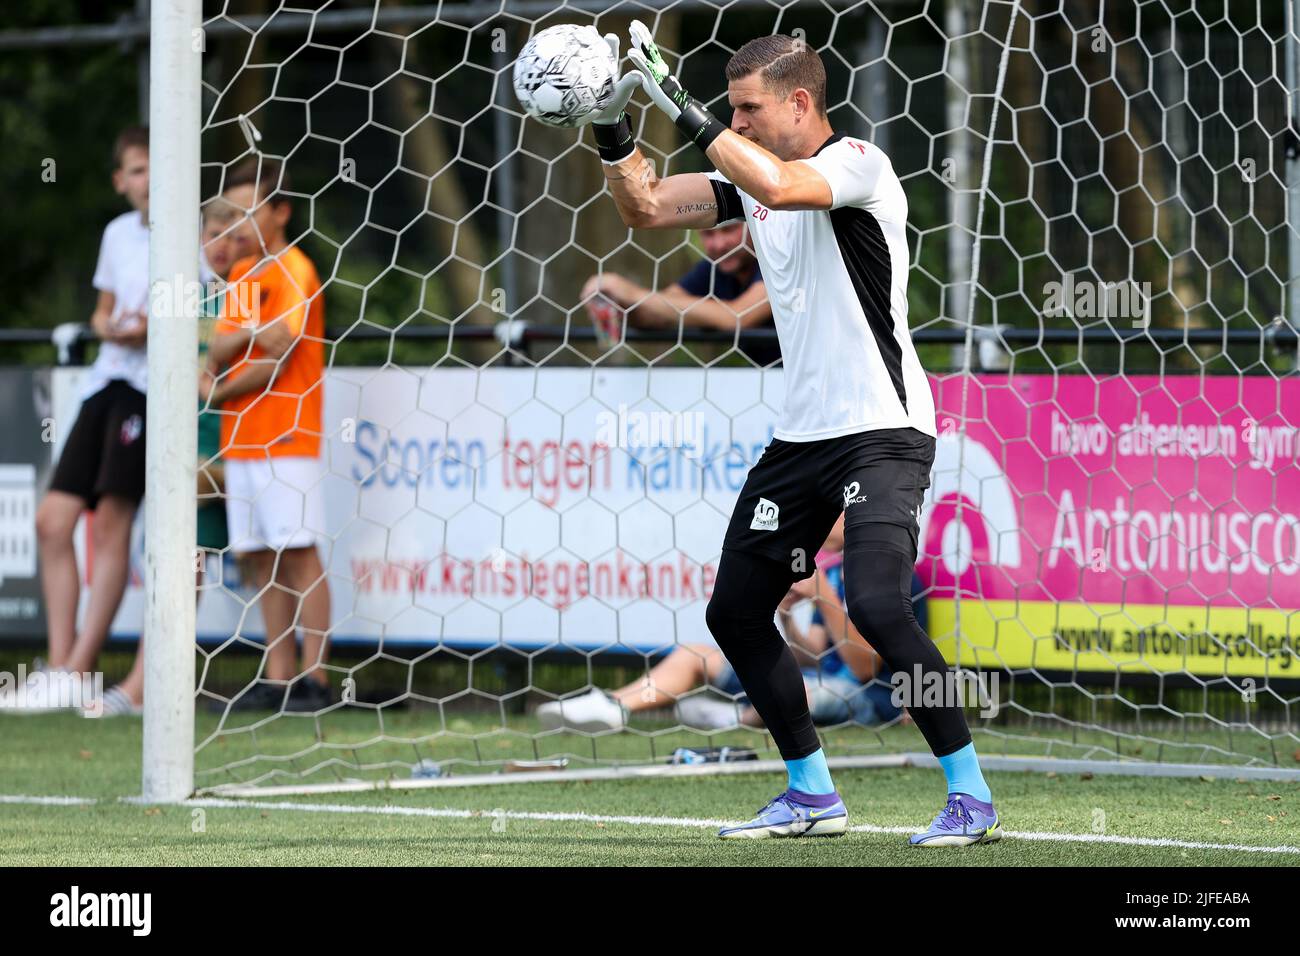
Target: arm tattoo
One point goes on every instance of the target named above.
(696, 207)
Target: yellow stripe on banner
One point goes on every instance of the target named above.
(1134, 638)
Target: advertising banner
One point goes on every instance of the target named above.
(24, 466)
(1145, 524)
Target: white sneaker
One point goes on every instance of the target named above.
(18, 698)
(48, 691)
(115, 703)
(591, 712)
(702, 712)
(12, 694)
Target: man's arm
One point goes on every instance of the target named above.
(675, 304)
(257, 376)
(650, 309)
(745, 311)
(101, 322)
(807, 646)
(772, 182)
(812, 642)
(751, 168)
(228, 346)
(275, 339)
(800, 642)
(859, 656)
(836, 629)
(645, 201)
(102, 318)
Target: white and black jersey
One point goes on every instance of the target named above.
(837, 283)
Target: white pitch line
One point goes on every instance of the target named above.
(1151, 841)
(575, 817)
(1104, 838)
(695, 822)
(453, 813)
(47, 801)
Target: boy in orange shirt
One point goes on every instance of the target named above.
(270, 343)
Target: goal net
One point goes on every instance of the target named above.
(520, 508)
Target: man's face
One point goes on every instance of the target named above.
(131, 178)
(726, 246)
(760, 115)
(262, 225)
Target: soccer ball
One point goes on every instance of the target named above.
(564, 74)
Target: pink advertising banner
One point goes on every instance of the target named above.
(1140, 521)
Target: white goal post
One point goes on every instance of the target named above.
(175, 61)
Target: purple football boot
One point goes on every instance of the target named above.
(963, 822)
(794, 814)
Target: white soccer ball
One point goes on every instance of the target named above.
(564, 74)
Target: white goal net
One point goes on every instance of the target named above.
(518, 510)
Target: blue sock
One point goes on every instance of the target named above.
(962, 769)
(810, 774)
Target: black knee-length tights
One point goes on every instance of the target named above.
(878, 589)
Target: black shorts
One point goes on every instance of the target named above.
(104, 453)
(796, 491)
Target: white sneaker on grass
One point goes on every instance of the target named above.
(115, 703)
(702, 712)
(590, 712)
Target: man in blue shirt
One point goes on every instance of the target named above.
(724, 292)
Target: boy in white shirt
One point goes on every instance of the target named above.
(102, 466)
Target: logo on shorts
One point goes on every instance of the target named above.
(131, 429)
(765, 516)
(851, 496)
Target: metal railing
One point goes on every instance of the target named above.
(71, 340)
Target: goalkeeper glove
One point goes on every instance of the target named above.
(610, 125)
(696, 123)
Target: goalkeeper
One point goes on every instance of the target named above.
(827, 218)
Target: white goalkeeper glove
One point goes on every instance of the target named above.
(623, 88)
(610, 125)
(696, 123)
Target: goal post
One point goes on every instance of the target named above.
(1100, 240)
(175, 60)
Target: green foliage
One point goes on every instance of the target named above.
(59, 106)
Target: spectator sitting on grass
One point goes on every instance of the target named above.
(845, 679)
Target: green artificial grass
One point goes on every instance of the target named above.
(64, 755)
